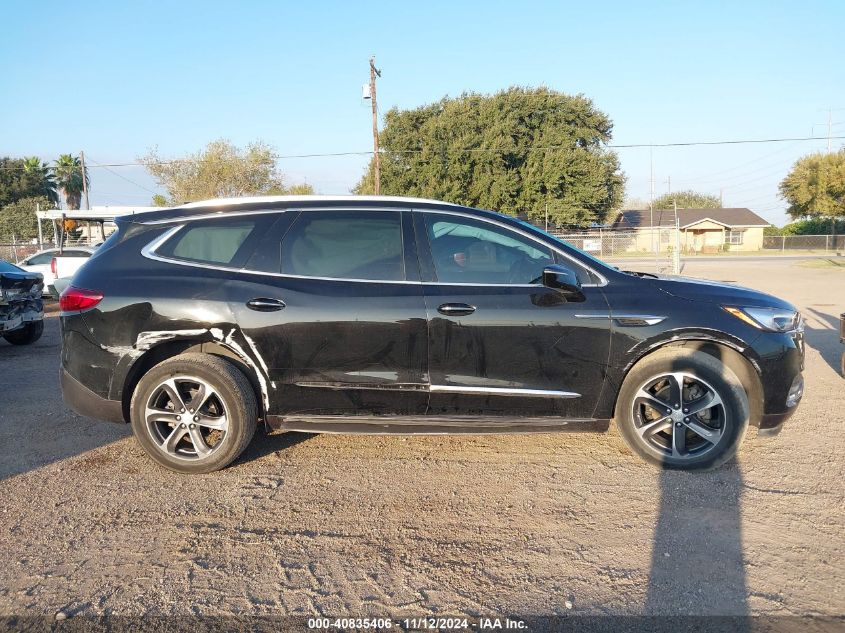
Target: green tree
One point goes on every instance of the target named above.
(520, 151)
(221, 170)
(815, 187)
(17, 220)
(815, 226)
(687, 200)
(41, 173)
(17, 181)
(67, 171)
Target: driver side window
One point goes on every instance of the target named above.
(472, 251)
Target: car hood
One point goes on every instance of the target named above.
(721, 293)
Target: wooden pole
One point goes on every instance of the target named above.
(374, 73)
(84, 181)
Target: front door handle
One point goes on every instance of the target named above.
(265, 304)
(456, 309)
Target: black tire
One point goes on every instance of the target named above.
(232, 399)
(25, 335)
(707, 439)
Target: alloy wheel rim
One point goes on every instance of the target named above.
(679, 416)
(186, 418)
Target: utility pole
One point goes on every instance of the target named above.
(547, 213)
(651, 204)
(829, 127)
(676, 255)
(669, 184)
(374, 73)
(722, 198)
(84, 181)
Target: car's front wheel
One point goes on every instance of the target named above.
(27, 334)
(682, 409)
(194, 413)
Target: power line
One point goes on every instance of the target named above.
(550, 148)
(106, 167)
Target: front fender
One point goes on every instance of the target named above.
(628, 350)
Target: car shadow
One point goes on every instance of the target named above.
(821, 332)
(697, 566)
(264, 444)
(36, 428)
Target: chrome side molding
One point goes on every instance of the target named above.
(502, 391)
(626, 320)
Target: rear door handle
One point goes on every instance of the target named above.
(456, 309)
(264, 304)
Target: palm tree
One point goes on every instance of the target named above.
(68, 174)
(41, 173)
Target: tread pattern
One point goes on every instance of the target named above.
(689, 360)
(243, 411)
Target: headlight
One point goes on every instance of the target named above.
(770, 319)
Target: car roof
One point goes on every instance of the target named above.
(257, 203)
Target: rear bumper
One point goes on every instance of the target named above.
(85, 402)
(15, 317)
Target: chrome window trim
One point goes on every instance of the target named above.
(149, 251)
(502, 391)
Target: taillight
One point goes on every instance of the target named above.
(53, 265)
(75, 299)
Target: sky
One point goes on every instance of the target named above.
(116, 79)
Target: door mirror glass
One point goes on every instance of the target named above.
(565, 280)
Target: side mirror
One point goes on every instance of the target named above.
(564, 280)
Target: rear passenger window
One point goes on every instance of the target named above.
(345, 245)
(221, 242)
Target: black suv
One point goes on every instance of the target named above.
(397, 315)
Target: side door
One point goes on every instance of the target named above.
(501, 343)
(332, 301)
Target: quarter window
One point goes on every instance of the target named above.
(345, 245)
(470, 251)
(220, 242)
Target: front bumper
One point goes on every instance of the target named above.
(781, 360)
(772, 423)
(85, 402)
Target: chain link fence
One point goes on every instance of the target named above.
(16, 252)
(813, 243)
(663, 242)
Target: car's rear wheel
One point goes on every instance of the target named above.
(194, 413)
(682, 409)
(25, 335)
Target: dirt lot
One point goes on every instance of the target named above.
(339, 525)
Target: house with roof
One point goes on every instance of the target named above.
(701, 230)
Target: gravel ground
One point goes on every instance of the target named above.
(354, 526)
